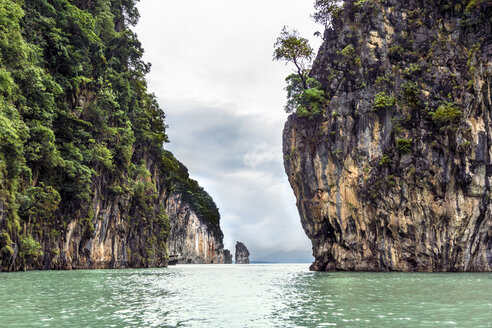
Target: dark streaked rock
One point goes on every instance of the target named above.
(242, 254)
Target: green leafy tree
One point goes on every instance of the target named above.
(304, 101)
(29, 249)
(294, 49)
(304, 93)
(38, 203)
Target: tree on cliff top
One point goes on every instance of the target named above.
(295, 49)
(304, 94)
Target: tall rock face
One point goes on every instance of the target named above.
(192, 239)
(84, 179)
(121, 237)
(242, 254)
(395, 174)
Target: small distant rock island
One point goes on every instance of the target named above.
(242, 253)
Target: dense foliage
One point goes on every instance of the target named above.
(306, 102)
(74, 107)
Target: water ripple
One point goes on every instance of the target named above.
(243, 296)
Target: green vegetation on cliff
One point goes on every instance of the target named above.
(77, 124)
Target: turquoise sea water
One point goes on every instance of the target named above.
(263, 295)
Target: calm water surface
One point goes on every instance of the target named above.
(278, 295)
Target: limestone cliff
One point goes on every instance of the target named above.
(85, 181)
(191, 239)
(242, 253)
(124, 231)
(395, 174)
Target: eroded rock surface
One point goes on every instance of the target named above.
(118, 236)
(191, 239)
(242, 254)
(395, 175)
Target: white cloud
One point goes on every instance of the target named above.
(261, 153)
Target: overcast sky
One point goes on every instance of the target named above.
(213, 74)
